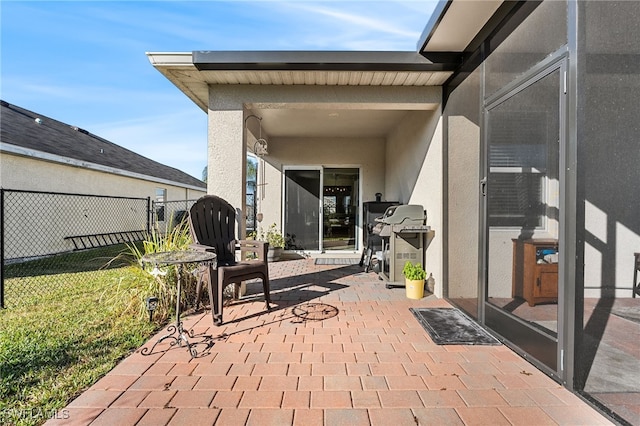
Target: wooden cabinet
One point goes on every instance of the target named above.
(534, 280)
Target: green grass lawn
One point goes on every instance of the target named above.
(56, 345)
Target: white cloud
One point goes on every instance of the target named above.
(97, 77)
(376, 25)
(346, 25)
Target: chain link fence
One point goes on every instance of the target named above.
(167, 215)
(46, 237)
(251, 213)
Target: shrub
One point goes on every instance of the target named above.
(272, 236)
(160, 282)
(414, 272)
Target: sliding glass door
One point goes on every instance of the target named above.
(302, 208)
(321, 208)
(339, 208)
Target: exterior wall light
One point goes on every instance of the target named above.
(260, 146)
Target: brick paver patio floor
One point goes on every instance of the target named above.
(338, 348)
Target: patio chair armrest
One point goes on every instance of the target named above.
(201, 247)
(260, 248)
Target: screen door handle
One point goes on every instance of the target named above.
(483, 187)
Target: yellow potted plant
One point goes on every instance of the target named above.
(414, 275)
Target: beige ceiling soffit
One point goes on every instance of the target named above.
(395, 106)
(462, 23)
(325, 78)
(459, 23)
(195, 90)
(178, 68)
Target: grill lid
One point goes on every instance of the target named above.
(405, 213)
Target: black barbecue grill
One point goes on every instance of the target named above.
(402, 229)
(372, 241)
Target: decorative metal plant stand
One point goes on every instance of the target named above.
(176, 332)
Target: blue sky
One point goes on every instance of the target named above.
(84, 62)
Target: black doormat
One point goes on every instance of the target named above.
(448, 326)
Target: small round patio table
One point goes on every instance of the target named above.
(180, 258)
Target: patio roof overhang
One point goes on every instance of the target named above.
(454, 32)
(316, 61)
(455, 24)
(457, 28)
(193, 72)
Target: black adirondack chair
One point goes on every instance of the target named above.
(212, 224)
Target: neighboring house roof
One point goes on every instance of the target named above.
(31, 131)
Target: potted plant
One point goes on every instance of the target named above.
(275, 240)
(414, 275)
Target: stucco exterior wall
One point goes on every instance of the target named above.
(57, 217)
(364, 153)
(228, 136)
(270, 192)
(414, 175)
(227, 171)
(28, 174)
(463, 182)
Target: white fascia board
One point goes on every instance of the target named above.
(45, 156)
(170, 64)
(168, 59)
